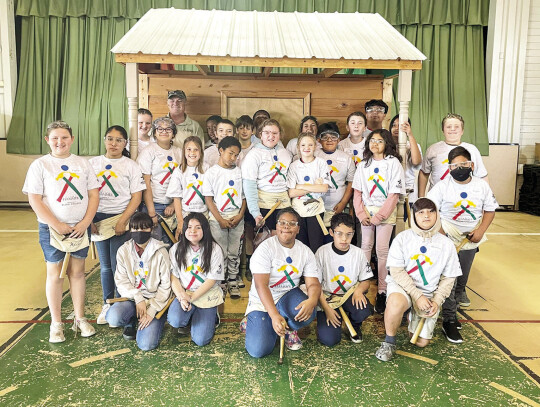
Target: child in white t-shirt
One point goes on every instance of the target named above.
(144, 126)
(120, 194)
(435, 162)
(467, 207)
(308, 124)
(378, 182)
(423, 266)
(308, 179)
(224, 128)
(197, 269)
(343, 267)
(186, 184)
(62, 190)
(158, 162)
(354, 144)
(222, 189)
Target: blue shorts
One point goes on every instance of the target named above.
(51, 253)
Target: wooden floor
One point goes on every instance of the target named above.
(503, 320)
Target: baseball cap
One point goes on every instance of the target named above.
(176, 94)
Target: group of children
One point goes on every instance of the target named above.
(246, 181)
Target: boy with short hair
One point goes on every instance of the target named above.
(244, 131)
(376, 111)
(345, 281)
(211, 124)
(224, 128)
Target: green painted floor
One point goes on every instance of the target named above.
(178, 373)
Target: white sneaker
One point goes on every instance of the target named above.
(83, 326)
(101, 318)
(56, 334)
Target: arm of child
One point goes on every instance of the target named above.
(443, 290)
(358, 298)
(149, 198)
(476, 235)
(163, 292)
(405, 281)
(121, 279)
(422, 183)
(177, 202)
(360, 209)
(93, 202)
(346, 198)
(261, 284)
(320, 188)
(234, 221)
(332, 316)
(386, 209)
(132, 206)
(306, 307)
(223, 224)
(43, 212)
(416, 156)
(203, 289)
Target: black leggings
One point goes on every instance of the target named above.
(311, 233)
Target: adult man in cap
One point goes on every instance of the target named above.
(185, 126)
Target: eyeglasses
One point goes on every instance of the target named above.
(376, 109)
(291, 223)
(114, 139)
(268, 133)
(329, 138)
(347, 235)
(464, 164)
(376, 141)
(164, 130)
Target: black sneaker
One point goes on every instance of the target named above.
(184, 330)
(451, 331)
(359, 337)
(130, 333)
(380, 303)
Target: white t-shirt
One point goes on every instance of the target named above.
(187, 186)
(141, 144)
(424, 259)
(225, 186)
(268, 167)
(341, 170)
(436, 161)
(285, 267)
(118, 178)
(463, 204)
(341, 271)
(243, 154)
(410, 174)
(381, 178)
(193, 276)
(356, 151)
(211, 156)
(307, 173)
(64, 184)
(160, 164)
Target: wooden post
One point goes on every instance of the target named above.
(404, 97)
(132, 93)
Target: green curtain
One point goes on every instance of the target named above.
(451, 81)
(67, 70)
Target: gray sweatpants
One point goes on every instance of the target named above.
(230, 241)
(449, 307)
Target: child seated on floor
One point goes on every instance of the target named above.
(345, 280)
(423, 266)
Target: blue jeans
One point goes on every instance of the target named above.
(329, 335)
(124, 314)
(51, 253)
(203, 321)
(107, 258)
(260, 334)
(158, 232)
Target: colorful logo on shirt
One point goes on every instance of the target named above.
(306, 179)
(341, 280)
(356, 159)
(377, 179)
(141, 274)
(288, 269)
(278, 167)
(447, 170)
(170, 166)
(68, 183)
(461, 203)
(231, 193)
(332, 170)
(196, 189)
(195, 270)
(106, 174)
(420, 260)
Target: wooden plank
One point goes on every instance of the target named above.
(269, 62)
(267, 70)
(194, 105)
(337, 107)
(143, 91)
(99, 357)
(328, 72)
(387, 98)
(224, 109)
(204, 69)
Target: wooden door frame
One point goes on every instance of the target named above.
(225, 95)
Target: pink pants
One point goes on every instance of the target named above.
(384, 233)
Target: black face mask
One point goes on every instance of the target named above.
(461, 174)
(141, 237)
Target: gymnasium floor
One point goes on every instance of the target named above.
(497, 365)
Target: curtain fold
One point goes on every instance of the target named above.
(67, 70)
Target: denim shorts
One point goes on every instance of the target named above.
(51, 253)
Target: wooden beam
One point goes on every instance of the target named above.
(267, 70)
(269, 62)
(204, 69)
(132, 94)
(328, 72)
